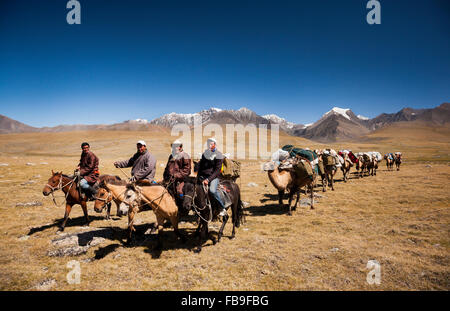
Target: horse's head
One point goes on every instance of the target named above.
(188, 193)
(130, 196)
(53, 183)
(102, 198)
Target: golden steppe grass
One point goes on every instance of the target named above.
(401, 219)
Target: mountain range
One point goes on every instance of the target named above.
(336, 124)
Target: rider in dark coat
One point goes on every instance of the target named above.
(88, 170)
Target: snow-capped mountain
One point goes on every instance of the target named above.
(362, 117)
(335, 124)
(273, 118)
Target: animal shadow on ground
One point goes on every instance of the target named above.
(269, 209)
(72, 222)
(140, 238)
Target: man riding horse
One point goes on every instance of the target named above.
(88, 170)
(142, 162)
(178, 167)
(209, 171)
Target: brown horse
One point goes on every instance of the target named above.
(68, 184)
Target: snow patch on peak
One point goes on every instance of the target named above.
(340, 111)
(362, 117)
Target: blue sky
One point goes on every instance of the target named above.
(142, 59)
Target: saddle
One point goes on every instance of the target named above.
(224, 193)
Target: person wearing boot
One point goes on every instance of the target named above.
(209, 171)
(88, 170)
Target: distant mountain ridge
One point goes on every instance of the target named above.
(335, 124)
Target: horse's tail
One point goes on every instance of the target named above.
(239, 217)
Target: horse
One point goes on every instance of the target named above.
(207, 208)
(143, 196)
(398, 160)
(104, 198)
(68, 184)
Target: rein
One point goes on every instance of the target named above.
(60, 187)
(208, 204)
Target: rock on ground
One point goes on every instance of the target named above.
(78, 243)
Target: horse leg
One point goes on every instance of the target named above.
(201, 233)
(131, 213)
(312, 196)
(323, 183)
(174, 221)
(85, 211)
(66, 216)
(224, 222)
(108, 210)
(160, 222)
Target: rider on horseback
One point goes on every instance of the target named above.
(177, 168)
(88, 170)
(209, 171)
(142, 162)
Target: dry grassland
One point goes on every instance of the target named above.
(401, 219)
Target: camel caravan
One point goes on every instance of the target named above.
(208, 188)
(292, 168)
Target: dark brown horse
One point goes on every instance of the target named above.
(207, 207)
(68, 184)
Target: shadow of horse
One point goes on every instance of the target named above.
(79, 221)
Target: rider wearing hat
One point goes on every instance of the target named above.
(209, 171)
(88, 170)
(178, 167)
(142, 162)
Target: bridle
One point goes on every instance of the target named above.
(195, 207)
(60, 186)
(108, 199)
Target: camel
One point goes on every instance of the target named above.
(346, 166)
(330, 171)
(389, 161)
(361, 166)
(284, 180)
(398, 160)
(281, 180)
(372, 166)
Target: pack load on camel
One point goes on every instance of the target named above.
(331, 157)
(375, 155)
(303, 162)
